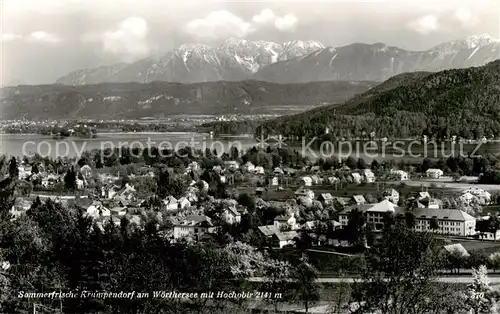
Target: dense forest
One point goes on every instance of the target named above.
(462, 102)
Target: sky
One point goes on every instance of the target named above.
(42, 40)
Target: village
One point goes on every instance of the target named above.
(213, 195)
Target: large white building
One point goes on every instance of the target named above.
(449, 221)
(374, 213)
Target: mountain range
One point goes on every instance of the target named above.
(158, 99)
(235, 60)
(291, 62)
(461, 102)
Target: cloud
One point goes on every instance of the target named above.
(10, 37)
(128, 40)
(41, 36)
(425, 24)
(224, 24)
(286, 23)
(219, 24)
(465, 17)
(266, 16)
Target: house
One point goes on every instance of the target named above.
(310, 225)
(171, 203)
(401, 175)
(86, 171)
(326, 198)
(423, 195)
(24, 171)
(275, 181)
(282, 239)
(287, 222)
(356, 178)
(222, 179)
(434, 173)
(488, 235)
(260, 191)
(259, 170)
(315, 169)
(96, 210)
(192, 194)
(430, 203)
(118, 211)
(204, 186)
(278, 171)
(302, 191)
(333, 180)
(316, 179)
(83, 203)
(456, 247)
(467, 198)
(183, 202)
(193, 166)
(124, 193)
(217, 169)
(106, 178)
(231, 215)
(483, 196)
(232, 165)
(358, 199)
(374, 213)
(80, 184)
(369, 176)
(194, 225)
(341, 201)
(306, 181)
(391, 195)
(268, 231)
(248, 167)
(450, 221)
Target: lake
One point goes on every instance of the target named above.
(28, 144)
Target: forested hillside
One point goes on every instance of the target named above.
(462, 102)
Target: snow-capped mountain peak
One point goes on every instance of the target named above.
(304, 44)
(480, 41)
(309, 60)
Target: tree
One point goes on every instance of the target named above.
(375, 165)
(245, 260)
(476, 259)
(426, 164)
(304, 285)
(410, 219)
(277, 273)
(351, 162)
(70, 179)
(13, 170)
(433, 224)
(361, 164)
(24, 187)
(399, 274)
(247, 201)
(455, 260)
(494, 261)
(354, 228)
(7, 188)
(477, 295)
(494, 226)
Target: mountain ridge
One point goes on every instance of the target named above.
(461, 102)
(291, 62)
(158, 99)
